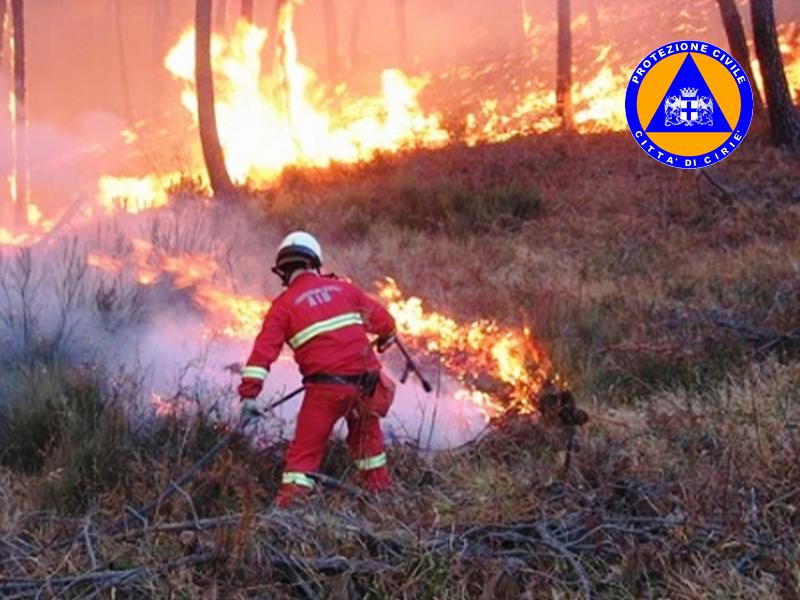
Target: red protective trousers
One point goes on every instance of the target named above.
(323, 406)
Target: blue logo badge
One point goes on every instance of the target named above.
(689, 104)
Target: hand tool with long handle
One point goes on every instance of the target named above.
(411, 367)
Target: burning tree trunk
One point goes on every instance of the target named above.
(20, 192)
(247, 10)
(402, 32)
(274, 40)
(209, 137)
(564, 65)
(331, 38)
(783, 115)
(737, 41)
(355, 30)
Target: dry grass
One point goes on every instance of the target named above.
(695, 494)
(618, 269)
(653, 291)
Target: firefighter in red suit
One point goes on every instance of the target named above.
(325, 321)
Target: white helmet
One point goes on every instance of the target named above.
(299, 246)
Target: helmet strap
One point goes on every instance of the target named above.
(286, 273)
(284, 276)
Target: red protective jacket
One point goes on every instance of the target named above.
(326, 322)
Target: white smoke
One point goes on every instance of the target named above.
(52, 301)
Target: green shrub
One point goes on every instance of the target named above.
(58, 422)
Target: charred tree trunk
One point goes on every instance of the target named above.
(564, 66)
(402, 33)
(783, 114)
(209, 137)
(247, 10)
(20, 116)
(737, 41)
(355, 31)
(331, 38)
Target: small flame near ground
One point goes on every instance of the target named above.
(510, 357)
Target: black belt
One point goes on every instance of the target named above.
(366, 381)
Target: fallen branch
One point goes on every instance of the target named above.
(577, 567)
(765, 341)
(105, 578)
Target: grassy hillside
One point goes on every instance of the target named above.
(669, 301)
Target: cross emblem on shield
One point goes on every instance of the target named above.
(689, 109)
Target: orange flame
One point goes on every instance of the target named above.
(509, 356)
(500, 368)
(169, 408)
(288, 118)
(268, 124)
(227, 313)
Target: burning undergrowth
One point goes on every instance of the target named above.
(276, 113)
(174, 298)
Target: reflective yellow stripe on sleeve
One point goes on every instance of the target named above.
(373, 462)
(312, 331)
(297, 478)
(255, 372)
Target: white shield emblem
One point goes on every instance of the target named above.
(688, 110)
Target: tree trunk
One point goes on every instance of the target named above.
(222, 16)
(247, 10)
(402, 33)
(594, 20)
(737, 42)
(5, 205)
(331, 38)
(273, 40)
(162, 10)
(127, 105)
(20, 120)
(209, 137)
(355, 31)
(2, 27)
(564, 66)
(524, 19)
(783, 115)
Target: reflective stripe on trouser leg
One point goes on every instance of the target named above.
(297, 478)
(371, 462)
